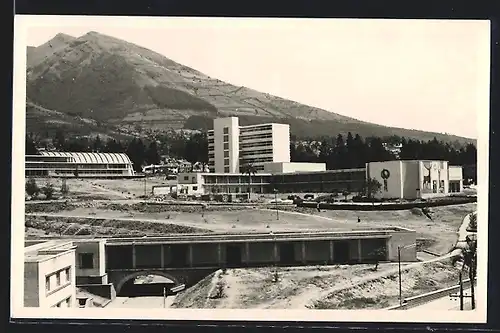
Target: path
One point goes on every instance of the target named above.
(130, 219)
(118, 193)
(144, 302)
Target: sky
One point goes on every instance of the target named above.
(418, 74)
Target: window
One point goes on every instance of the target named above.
(58, 279)
(47, 283)
(226, 169)
(226, 145)
(226, 130)
(86, 260)
(193, 179)
(226, 161)
(67, 273)
(226, 138)
(195, 188)
(186, 177)
(226, 153)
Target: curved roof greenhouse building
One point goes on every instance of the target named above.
(69, 164)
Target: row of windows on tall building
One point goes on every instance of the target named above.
(257, 128)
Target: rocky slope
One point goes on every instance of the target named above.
(115, 82)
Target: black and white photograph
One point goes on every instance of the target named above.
(185, 168)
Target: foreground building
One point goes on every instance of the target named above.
(71, 164)
(49, 274)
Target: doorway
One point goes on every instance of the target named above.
(341, 251)
(287, 254)
(179, 254)
(233, 256)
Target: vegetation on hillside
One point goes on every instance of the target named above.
(109, 80)
(337, 152)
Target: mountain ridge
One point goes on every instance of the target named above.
(104, 78)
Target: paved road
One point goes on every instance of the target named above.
(447, 303)
(149, 302)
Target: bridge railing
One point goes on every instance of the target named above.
(415, 301)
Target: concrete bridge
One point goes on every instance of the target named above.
(187, 258)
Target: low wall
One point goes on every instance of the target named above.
(386, 206)
(102, 290)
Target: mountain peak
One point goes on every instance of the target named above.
(61, 38)
(100, 77)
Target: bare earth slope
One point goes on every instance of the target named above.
(110, 80)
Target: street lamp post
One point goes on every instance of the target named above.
(399, 270)
(276, 203)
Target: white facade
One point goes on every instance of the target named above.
(190, 183)
(231, 146)
(283, 167)
(414, 179)
(49, 275)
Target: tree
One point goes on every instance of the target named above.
(378, 255)
(64, 187)
(470, 260)
(32, 188)
(196, 149)
(48, 190)
(152, 155)
(59, 141)
(98, 146)
(472, 222)
(30, 146)
(249, 169)
(371, 187)
(345, 193)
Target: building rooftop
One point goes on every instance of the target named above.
(44, 250)
(85, 157)
(260, 236)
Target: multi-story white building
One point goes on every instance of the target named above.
(231, 146)
(49, 274)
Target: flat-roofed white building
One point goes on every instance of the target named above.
(231, 146)
(49, 274)
(415, 179)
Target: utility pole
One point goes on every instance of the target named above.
(164, 296)
(399, 274)
(461, 292)
(276, 203)
(471, 278)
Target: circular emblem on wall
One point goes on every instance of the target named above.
(385, 174)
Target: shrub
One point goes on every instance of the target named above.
(48, 190)
(32, 188)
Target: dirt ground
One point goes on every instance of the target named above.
(316, 287)
(104, 189)
(113, 208)
(438, 235)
